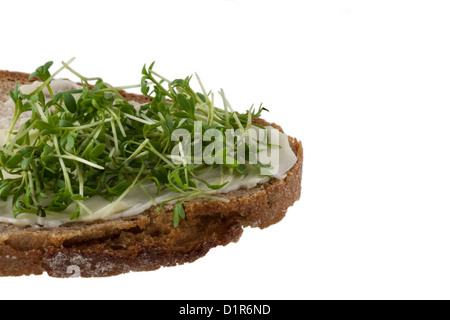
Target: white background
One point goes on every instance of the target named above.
(363, 84)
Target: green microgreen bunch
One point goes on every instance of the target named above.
(93, 142)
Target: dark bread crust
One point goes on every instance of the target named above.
(146, 241)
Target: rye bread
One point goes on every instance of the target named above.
(148, 240)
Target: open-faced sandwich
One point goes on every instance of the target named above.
(96, 181)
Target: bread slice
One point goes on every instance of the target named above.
(146, 241)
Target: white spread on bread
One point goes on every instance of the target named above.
(142, 197)
(57, 85)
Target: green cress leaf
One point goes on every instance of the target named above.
(177, 178)
(78, 197)
(201, 96)
(65, 124)
(118, 189)
(76, 213)
(184, 103)
(48, 149)
(42, 125)
(176, 217)
(178, 212)
(17, 207)
(213, 186)
(14, 161)
(5, 188)
(97, 151)
(169, 122)
(181, 211)
(25, 163)
(144, 86)
(70, 143)
(15, 94)
(48, 65)
(42, 72)
(61, 184)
